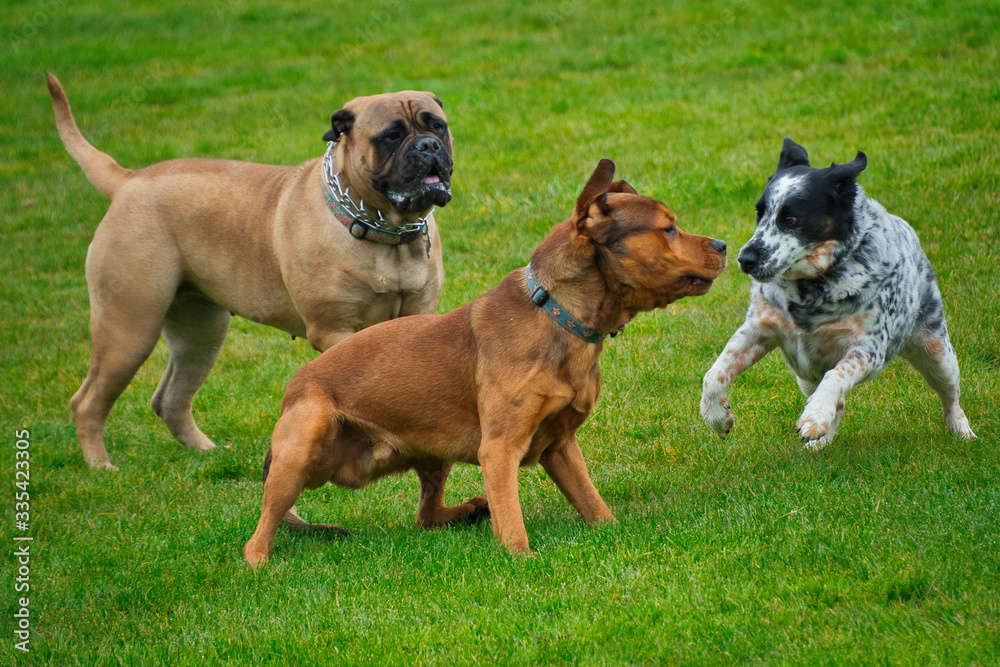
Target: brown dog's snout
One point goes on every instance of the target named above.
(719, 246)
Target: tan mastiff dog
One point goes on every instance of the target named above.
(319, 250)
(502, 382)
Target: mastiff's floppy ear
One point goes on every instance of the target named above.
(341, 122)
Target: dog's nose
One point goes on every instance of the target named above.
(720, 246)
(427, 145)
(748, 259)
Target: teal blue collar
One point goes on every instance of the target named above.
(540, 296)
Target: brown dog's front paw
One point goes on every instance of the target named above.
(519, 549)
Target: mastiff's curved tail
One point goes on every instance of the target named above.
(100, 168)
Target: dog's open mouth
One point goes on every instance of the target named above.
(432, 190)
(698, 284)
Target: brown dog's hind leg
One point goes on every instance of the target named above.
(292, 521)
(300, 457)
(432, 511)
(280, 493)
(565, 465)
(194, 329)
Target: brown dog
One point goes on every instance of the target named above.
(320, 250)
(500, 382)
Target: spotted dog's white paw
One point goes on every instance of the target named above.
(816, 445)
(958, 423)
(817, 425)
(715, 411)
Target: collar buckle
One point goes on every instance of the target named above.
(539, 296)
(358, 229)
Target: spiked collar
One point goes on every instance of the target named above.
(359, 221)
(540, 296)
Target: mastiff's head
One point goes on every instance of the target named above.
(395, 151)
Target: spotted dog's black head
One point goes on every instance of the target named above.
(804, 217)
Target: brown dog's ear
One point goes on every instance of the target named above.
(599, 184)
(621, 185)
(591, 211)
(341, 123)
(596, 220)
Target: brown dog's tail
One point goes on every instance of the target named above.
(100, 168)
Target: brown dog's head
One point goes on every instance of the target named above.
(396, 150)
(648, 262)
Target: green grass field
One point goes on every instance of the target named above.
(881, 549)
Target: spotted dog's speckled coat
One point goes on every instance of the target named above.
(841, 286)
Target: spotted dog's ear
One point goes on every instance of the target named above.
(341, 122)
(792, 155)
(843, 172)
(842, 177)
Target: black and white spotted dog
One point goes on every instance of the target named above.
(841, 286)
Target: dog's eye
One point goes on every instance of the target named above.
(438, 127)
(670, 231)
(393, 136)
(790, 220)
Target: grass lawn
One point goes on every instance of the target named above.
(883, 548)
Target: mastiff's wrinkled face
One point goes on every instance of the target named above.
(396, 150)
